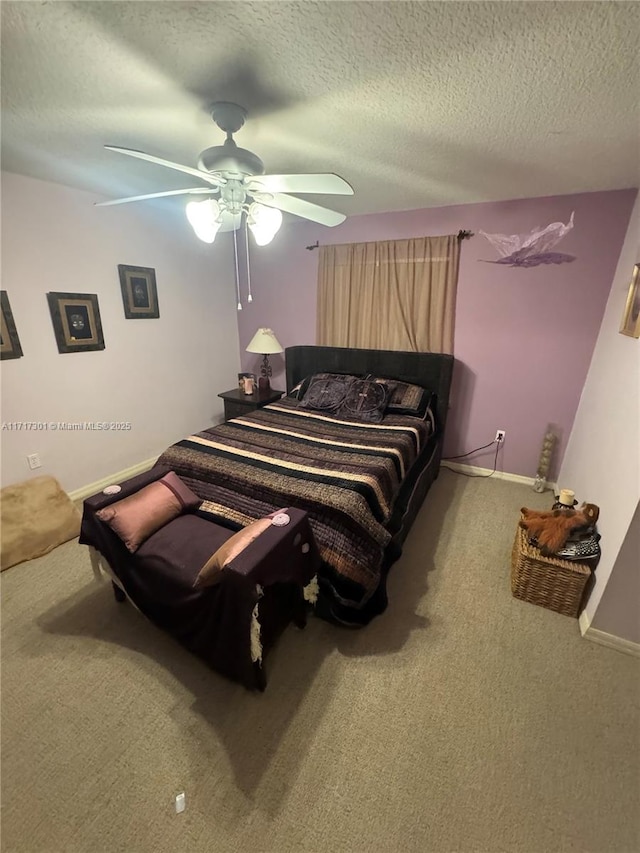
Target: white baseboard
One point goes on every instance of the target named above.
(498, 475)
(91, 489)
(584, 622)
(613, 642)
(604, 639)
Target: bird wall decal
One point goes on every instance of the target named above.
(533, 248)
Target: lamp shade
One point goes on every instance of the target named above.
(205, 218)
(265, 341)
(264, 222)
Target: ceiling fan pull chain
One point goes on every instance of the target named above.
(235, 252)
(246, 243)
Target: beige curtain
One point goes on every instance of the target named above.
(396, 294)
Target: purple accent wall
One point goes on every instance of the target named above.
(524, 336)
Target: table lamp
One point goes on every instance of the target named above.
(264, 341)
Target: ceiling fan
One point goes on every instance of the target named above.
(237, 177)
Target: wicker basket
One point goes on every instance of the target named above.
(547, 581)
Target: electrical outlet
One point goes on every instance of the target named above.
(34, 460)
(500, 434)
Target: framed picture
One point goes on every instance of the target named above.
(76, 321)
(139, 292)
(250, 379)
(9, 340)
(631, 317)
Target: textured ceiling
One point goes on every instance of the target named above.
(416, 104)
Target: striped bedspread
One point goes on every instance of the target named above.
(346, 475)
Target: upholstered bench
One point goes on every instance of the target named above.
(231, 623)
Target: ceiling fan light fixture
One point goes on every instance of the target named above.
(246, 193)
(264, 222)
(205, 217)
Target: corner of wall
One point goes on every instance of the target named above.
(602, 459)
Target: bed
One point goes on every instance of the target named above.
(362, 484)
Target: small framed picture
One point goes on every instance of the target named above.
(76, 321)
(631, 317)
(247, 382)
(139, 292)
(9, 340)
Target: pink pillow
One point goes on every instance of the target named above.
(136, 517)
(211, 573)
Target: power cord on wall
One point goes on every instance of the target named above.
(477, 449)
(460, 455)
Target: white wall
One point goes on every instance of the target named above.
(602, 460)
(162, 375)
(618, 612)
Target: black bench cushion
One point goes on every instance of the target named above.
(176, 553)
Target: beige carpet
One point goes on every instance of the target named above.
(461, 720)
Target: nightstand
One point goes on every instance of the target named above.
(237, 403)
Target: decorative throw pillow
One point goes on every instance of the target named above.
(327, 391)
(137, 516)
(302, 387)
(212, 571)
(405, 398)
(365, 400)
(297, 392)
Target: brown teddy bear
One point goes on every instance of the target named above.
(552, 529)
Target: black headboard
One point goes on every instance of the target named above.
(431, 370)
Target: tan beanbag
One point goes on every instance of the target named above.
(35, 517)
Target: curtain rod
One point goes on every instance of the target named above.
(461, 235)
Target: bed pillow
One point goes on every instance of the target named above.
(212, 571)
(406, 398)
(134, 518)
(327, 391)
(299, 391)
(365, 400)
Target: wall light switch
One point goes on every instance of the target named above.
(34, 460)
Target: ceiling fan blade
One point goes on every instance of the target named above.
(192, 191)
(198, 173)
(299, 207)
(322, 183)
